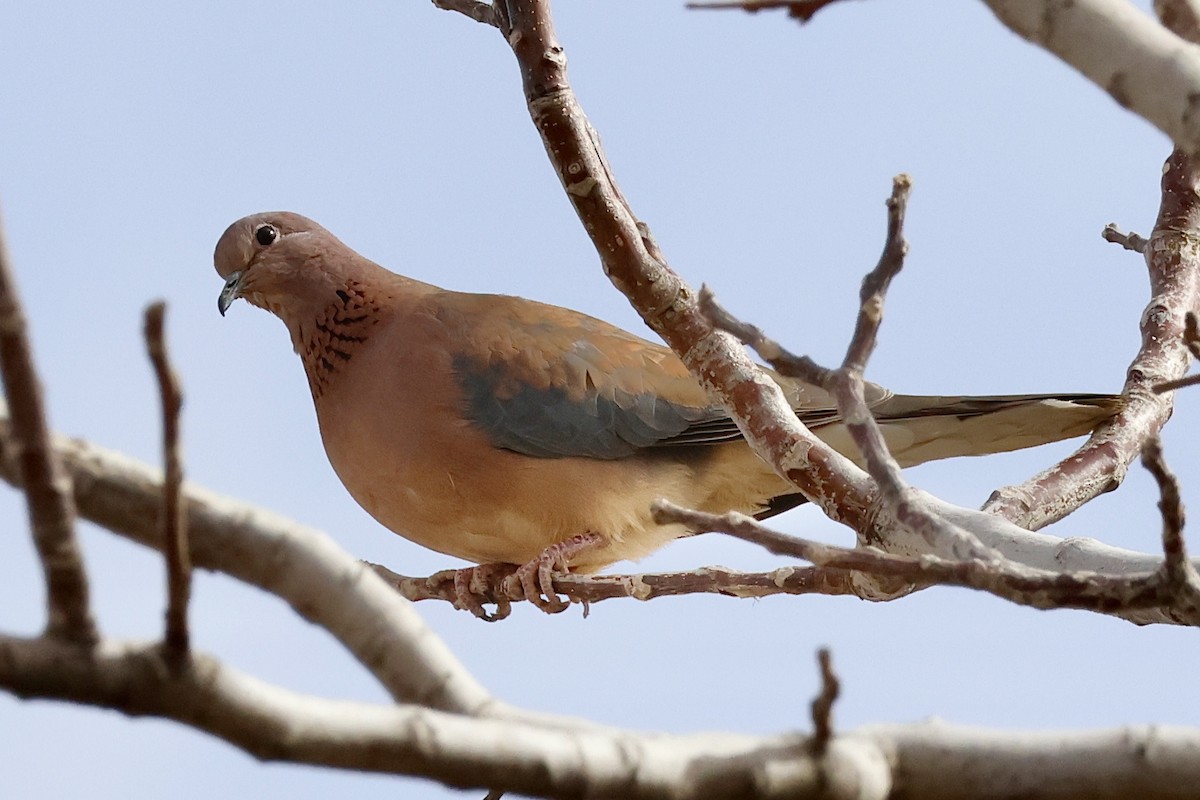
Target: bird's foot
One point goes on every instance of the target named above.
(474, 586)
(534, 580)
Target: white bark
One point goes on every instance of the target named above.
(1142, 65)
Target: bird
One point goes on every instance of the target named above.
(506, 431)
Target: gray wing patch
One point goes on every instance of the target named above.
(546, 422)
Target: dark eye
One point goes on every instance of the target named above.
(266, 234)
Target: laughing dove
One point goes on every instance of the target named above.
(500, 429)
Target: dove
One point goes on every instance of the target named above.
(502, 430)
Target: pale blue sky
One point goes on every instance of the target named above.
(759, 151)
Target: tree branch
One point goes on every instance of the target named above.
(1130, 241)
(647, 586)
(874, 763)
(173, 518)
(803, 10)
(1173, 259)
(275, 724)
(1139, 597)
(1143, 66)
(47, 488)
(636, 266)
(1176, 570)
(303, 567)
(822, 704)
(476, 10)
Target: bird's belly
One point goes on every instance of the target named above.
(447, 488)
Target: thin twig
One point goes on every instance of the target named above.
(1176, 569)
(47, 487)
(1130, 241)
(822, 704)
(848, 387)
(173, 521)
(1191, 338)
(782, 360)
(803, 10)
(476, 10)
(645, 586)
(876, 283)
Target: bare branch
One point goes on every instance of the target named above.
(876, 283)
(1141, 61)
(1130, 241)
(1191, 338)
(174, 517)
(1180, 16)
(636, 267)
(803, 10)
(1143, 66)
(822, 704)
(646, 586)
(847, 385)
(47, 487)
(1037, 588)
(303, 567)
(559, 761)
(1177, 571)
(476, 10)
(1096, 765)
(276, 724)
(1173, 260)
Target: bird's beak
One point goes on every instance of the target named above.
(233, 284)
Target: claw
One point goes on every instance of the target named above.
(534, 580)
(473, 586)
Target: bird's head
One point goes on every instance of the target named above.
(282, 262)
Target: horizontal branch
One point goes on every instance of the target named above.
(1138, 596)
(647, 586)
(276, 724)
(934, 761)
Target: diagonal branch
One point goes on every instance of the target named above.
(636, 266)
(303, 567)
(47, 487)
(1143, 66)
(1173, 260)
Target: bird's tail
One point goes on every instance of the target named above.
(920, 429)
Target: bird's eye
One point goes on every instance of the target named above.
(266, 234)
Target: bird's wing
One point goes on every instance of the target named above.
(550, 382)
